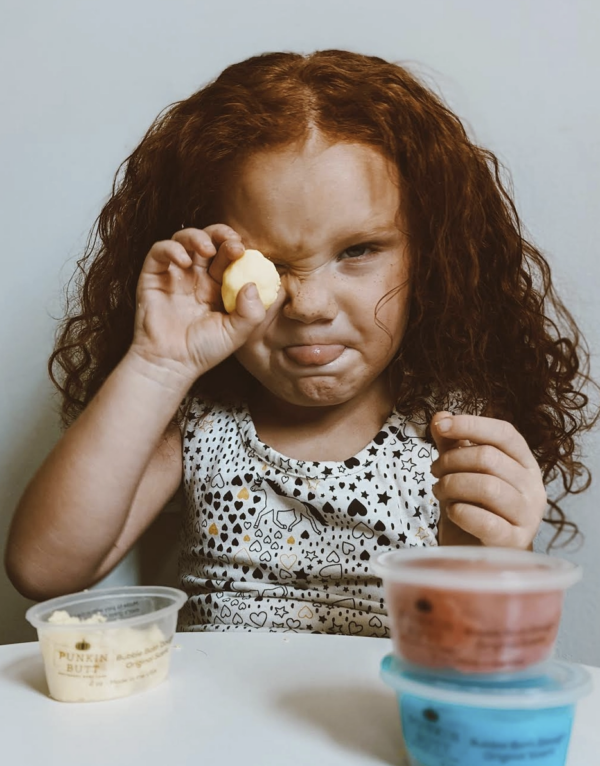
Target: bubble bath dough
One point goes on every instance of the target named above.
(86, 663)
(251, 267)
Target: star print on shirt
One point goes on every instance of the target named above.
(384, 498)
(335, 628)
(423, 533)
(419, 477)
(408, 465)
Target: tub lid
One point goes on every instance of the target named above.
(476, 568)
(158, 600)
(556, 684)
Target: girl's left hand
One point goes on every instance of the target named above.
(489, 483)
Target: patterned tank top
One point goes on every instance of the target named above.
(277, 544)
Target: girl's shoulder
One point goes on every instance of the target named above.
(194, 408)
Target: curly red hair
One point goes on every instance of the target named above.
(484, 317)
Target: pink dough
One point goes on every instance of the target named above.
(472, 631)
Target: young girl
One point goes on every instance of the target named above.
(416, 382)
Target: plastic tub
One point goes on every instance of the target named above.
(106, 643)
(474, 609)
(469, 721)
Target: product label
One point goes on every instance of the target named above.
(77, 663)
(84, 665)
(441, 734)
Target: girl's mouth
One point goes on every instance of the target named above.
(314, 355)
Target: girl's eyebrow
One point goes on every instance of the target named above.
(368, 235)
(343, 240)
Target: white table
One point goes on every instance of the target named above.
(251, 699)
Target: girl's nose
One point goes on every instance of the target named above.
(309, 298)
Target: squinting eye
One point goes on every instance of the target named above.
(356, 251)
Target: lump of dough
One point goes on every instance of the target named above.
(251, 267)
(62, 617)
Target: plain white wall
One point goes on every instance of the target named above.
(81, 81)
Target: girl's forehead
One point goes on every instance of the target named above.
(315, 158)
(315, 190)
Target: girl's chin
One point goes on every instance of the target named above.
(313, 393)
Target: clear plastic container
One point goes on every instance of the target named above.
(463, 609)
(106, 643)
(470, 721)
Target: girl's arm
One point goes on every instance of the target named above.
(101, 486)
(120, 462)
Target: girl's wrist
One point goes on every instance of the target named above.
(169, 374)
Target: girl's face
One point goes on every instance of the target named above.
(327, 216)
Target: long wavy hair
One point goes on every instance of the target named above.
(484, 318)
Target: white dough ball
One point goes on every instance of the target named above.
(251, 267)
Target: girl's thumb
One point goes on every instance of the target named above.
(439, 422)
(248, 307)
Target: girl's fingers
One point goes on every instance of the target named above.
(489, 528)
(196, 242)
(488, 492)
(483, 459)
(212, 248)
(229, 251)
(220, 232)
(163, 254)
(482, 430)
(216, 234)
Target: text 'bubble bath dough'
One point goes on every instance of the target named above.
(251, 267)
(106, 643)
(473, 609)
(472, 720)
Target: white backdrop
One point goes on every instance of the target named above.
(80, 81)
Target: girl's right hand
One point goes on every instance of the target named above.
(180, 323)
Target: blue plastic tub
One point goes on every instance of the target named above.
(474, 720)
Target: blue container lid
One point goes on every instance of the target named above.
(556, 684)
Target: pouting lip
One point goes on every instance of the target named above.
(314, 354)
(305, 343)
